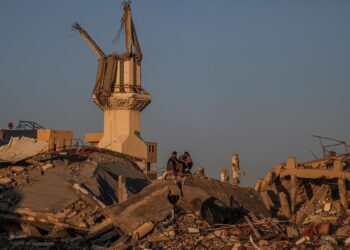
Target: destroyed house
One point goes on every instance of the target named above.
(56, 140)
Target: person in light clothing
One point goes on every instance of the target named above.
(236, 171)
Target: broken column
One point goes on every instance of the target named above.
(338, 166)
(291, 166)
(285, 208)
(122, 191)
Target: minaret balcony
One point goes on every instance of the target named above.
(124, 101)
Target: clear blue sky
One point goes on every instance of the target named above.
(256, 77)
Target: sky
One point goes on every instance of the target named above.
(253, 77)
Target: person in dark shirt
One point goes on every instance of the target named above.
(186, 161)
(173, 162)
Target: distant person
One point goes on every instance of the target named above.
(224, 177)
(186, 161)
(173, 162)
(236, 171)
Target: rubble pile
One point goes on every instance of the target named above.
(194, 212)
(312, 195)
(190, 231)
(58, 199)
(95, 199)
(224, 226)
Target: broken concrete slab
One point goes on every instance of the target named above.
(142, 230)
(152, 202)
(50, 194)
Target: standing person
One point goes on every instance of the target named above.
(224, 176)
(236, 171)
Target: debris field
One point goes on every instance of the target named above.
(90, 198)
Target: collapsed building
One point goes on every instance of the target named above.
(95, 198)
(54, 139)
(61, 196)
(290, 185)
(53, 196)
(57, 196)
(314, 195)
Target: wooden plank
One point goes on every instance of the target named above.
(99, 229)
(256, 233)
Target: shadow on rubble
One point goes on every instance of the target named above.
(107, 177)
(77, 225)
(12, 178)
(216, 212)
(9, 200)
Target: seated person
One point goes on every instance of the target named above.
(173, 163)
(186, 161)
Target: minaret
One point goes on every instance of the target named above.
(119, 93)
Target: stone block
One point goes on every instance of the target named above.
(47, 167)
(5, 181)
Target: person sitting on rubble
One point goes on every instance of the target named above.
(186, 161)
(173, 162)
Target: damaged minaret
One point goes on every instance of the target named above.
(118, 92)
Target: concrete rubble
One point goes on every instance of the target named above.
(314, 196)
(59, 199)
(91, 198)
(96, 198)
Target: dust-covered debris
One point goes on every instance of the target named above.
(314, 197)
(59, 199)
